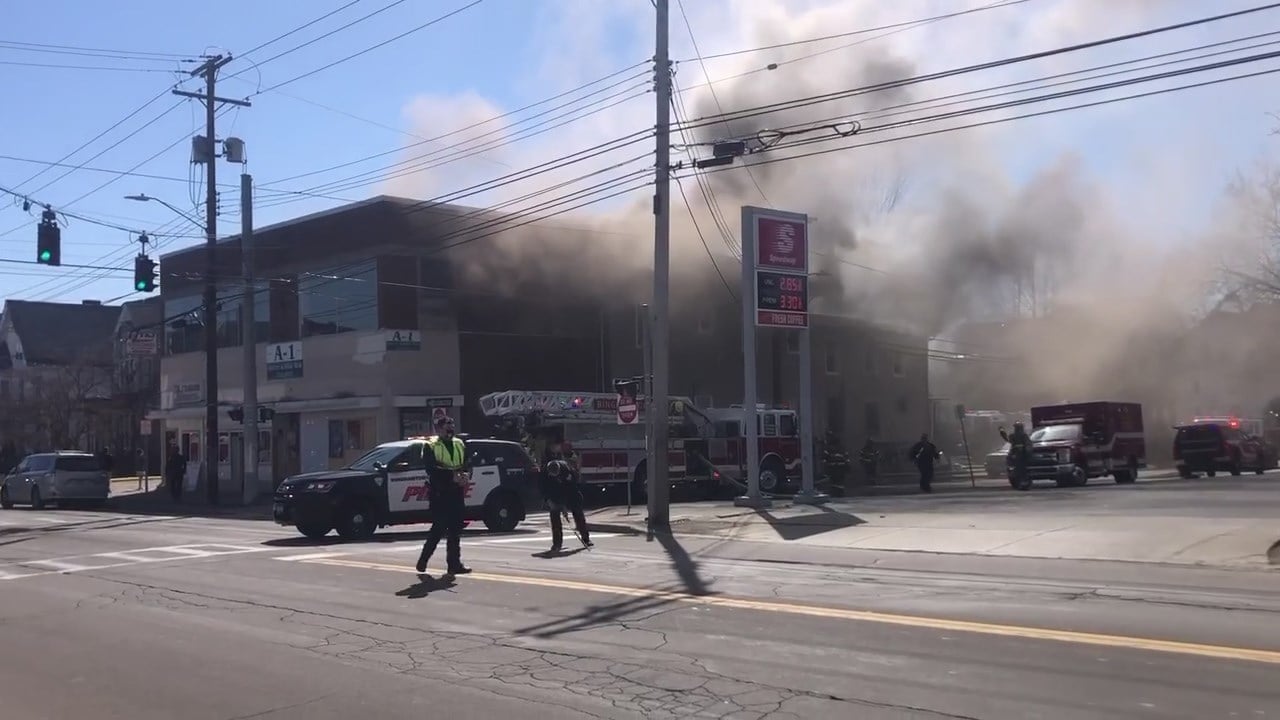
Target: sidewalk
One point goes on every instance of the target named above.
(924, 525)
(127, 498)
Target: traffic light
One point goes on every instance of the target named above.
(236, 414)
(144, 274)
(49, 239)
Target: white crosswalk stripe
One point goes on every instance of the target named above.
(121, 558)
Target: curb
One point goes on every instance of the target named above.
(613, 528)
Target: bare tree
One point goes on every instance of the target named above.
(63, 398)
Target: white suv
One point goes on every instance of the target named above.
(58, 477)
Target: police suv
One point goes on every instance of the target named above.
(388, 486)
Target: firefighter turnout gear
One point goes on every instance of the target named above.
(563, 493)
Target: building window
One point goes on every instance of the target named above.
(184, 329)
(899, 365)
(337, 439)
(793, 342)
(831, 361)
(397, 293)
(873, 419)
(343, 299)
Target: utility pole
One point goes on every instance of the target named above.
(659, 485)
(209, 71)
(249, 341)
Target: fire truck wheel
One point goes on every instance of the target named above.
(502, 512)
(771, 474)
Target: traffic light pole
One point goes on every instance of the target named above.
(209, 71)
(248, 325)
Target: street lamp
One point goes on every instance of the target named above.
(147, 198)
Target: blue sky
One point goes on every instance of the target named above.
(502, 54)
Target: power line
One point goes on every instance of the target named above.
(104, 55)
(997, 121)
(420, 163)
(109, 171)
(107, 68)
(836, 36)
(177, 56)
(371, 48)
(474, 125)
(842, 94)
(918, 23)
(308, 24)
(698, 229)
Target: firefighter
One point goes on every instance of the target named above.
(448, 470)
(1019, 448)
(561, 490)
(924, 454)
(869, 458)
(835, 461)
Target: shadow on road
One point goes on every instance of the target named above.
(550, 554)
(25, 533)
(390, 537)
(426, 585)
(605, 614)
(797, 528)
(684, 565)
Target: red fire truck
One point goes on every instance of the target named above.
(779, 434)
(608, 453)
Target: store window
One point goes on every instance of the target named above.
(343, 299)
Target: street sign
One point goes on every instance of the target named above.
(782, 299)
(628, 409)
(782, 243)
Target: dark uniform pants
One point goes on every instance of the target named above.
(926, 476)
(573, 503)
(446, 522)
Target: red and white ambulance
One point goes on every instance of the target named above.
(1073, 442)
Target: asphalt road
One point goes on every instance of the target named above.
(114, 616)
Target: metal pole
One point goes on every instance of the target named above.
(249, 337)
(210, 287)
(629, 479)
(807, 494)
(750, 429)
(968, 460)
(659, 486)
(646, 388)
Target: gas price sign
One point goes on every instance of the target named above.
(782, 299)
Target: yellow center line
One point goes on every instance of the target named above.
(917, 621)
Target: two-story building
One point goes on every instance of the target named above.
(135, 386)
(371, 317)
(55, 371)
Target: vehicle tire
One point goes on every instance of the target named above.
(1079, 478)
(37, 502)
(314, 532)
(1127, 476)
(1185, 474)
(772, 475)
(1211, 473)
(6, 502)
(355, 522)
(502, 511)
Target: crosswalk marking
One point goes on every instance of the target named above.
(310, 556)
(138, 556)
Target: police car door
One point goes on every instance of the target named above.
(486, 473)
(407, 481)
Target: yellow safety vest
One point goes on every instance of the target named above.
(448, 455)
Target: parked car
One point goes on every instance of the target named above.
(997, 462)
(62, 477)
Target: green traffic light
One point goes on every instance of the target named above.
(141, 285)
(45, 256)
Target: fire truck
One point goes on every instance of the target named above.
(706, 446)
(608, 453)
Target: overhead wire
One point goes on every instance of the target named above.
(371, 48)
(797, 103)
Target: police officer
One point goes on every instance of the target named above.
(561, 490)
(448, 471)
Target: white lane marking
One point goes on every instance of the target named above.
(60, 565)
(533, 538)
(175, 552)
(311, 556)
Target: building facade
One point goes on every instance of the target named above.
(373, 317)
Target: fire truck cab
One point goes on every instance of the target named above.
(779, 433)
(609, 454)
